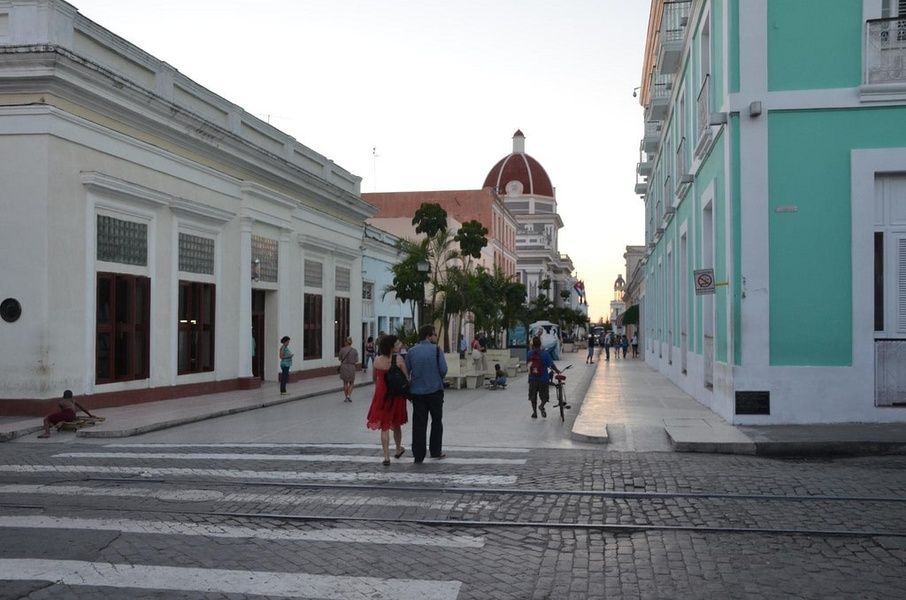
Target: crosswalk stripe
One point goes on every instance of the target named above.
(199, 495)
(338, 535)
(386, 476)
(264, 583)
(325, 445)
(330, 458)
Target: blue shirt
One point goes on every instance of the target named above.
(427, 368)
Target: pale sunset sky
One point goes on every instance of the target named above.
(437, 87)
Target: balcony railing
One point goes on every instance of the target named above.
(683, 178)
(703, 116)
(672, 33)
(885, 51)
(652, 139)
(659, 92)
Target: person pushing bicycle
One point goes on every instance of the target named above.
(540, 364)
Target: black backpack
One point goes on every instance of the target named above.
(395, 381)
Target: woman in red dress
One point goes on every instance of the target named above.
(385, 413)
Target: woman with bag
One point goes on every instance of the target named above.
(286, 362)
(349, 357)
(388, 412)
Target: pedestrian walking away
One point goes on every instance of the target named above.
(427, 369)
(349, 358)
(635, 345)
(540, 364)
(590, 359)
(607, 341)
(369, 353)
(286, 362)
(388, 411)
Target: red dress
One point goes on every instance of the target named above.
(385, 414)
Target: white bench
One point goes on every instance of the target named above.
(460, 374)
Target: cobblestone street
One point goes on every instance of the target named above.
(234, 520)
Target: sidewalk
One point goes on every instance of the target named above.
(135, 419)
(621, 403)
(629, 403)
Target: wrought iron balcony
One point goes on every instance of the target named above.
(645, 165)
(652, 139)
(703, 117)
(659, 91)
(885, 51)
(672, 34)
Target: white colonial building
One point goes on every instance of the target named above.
(529, 196)
(159, 240)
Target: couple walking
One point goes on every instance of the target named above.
(425, 368)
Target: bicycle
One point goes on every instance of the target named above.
(560, 380)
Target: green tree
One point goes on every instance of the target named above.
(408, 282)
(472, 238)
(430, 219)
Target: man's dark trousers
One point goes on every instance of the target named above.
(422, 406)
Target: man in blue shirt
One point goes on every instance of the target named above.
(539, 365)
(427, 369)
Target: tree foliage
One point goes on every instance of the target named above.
(430, 219)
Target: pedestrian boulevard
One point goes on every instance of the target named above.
(619, 405)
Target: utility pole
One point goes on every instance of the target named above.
(374, 157)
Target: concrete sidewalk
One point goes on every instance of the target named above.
(621, 403)
(634, 404)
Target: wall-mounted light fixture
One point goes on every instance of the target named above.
(635, 92)
(755, 108)
(256, 269)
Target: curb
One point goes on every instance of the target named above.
(120, 433)
(582, 433)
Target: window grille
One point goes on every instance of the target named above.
(266, 251)
(342, 275)
(314, 274)
(196, 254)
(121, 241)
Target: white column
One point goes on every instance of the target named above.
(245, 298)
(754, 201)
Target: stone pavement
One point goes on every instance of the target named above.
(622, 403)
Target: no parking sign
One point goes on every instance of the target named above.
(704, 281)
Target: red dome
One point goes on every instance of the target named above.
(520, 167)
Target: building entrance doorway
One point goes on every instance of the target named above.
(258, 341)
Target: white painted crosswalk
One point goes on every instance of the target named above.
(229, 456)
(342, 535)
(253, 475)
(264, 583)
(149, 464)
(203, 495)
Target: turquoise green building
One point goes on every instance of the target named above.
(773, 171)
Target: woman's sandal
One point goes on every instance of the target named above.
(386, 462)
(400, 453)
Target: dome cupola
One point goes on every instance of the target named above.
(519, 174)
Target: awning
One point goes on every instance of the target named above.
(630, 317)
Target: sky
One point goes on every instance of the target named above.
(416, 95)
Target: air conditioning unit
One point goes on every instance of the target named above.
(686, 179)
